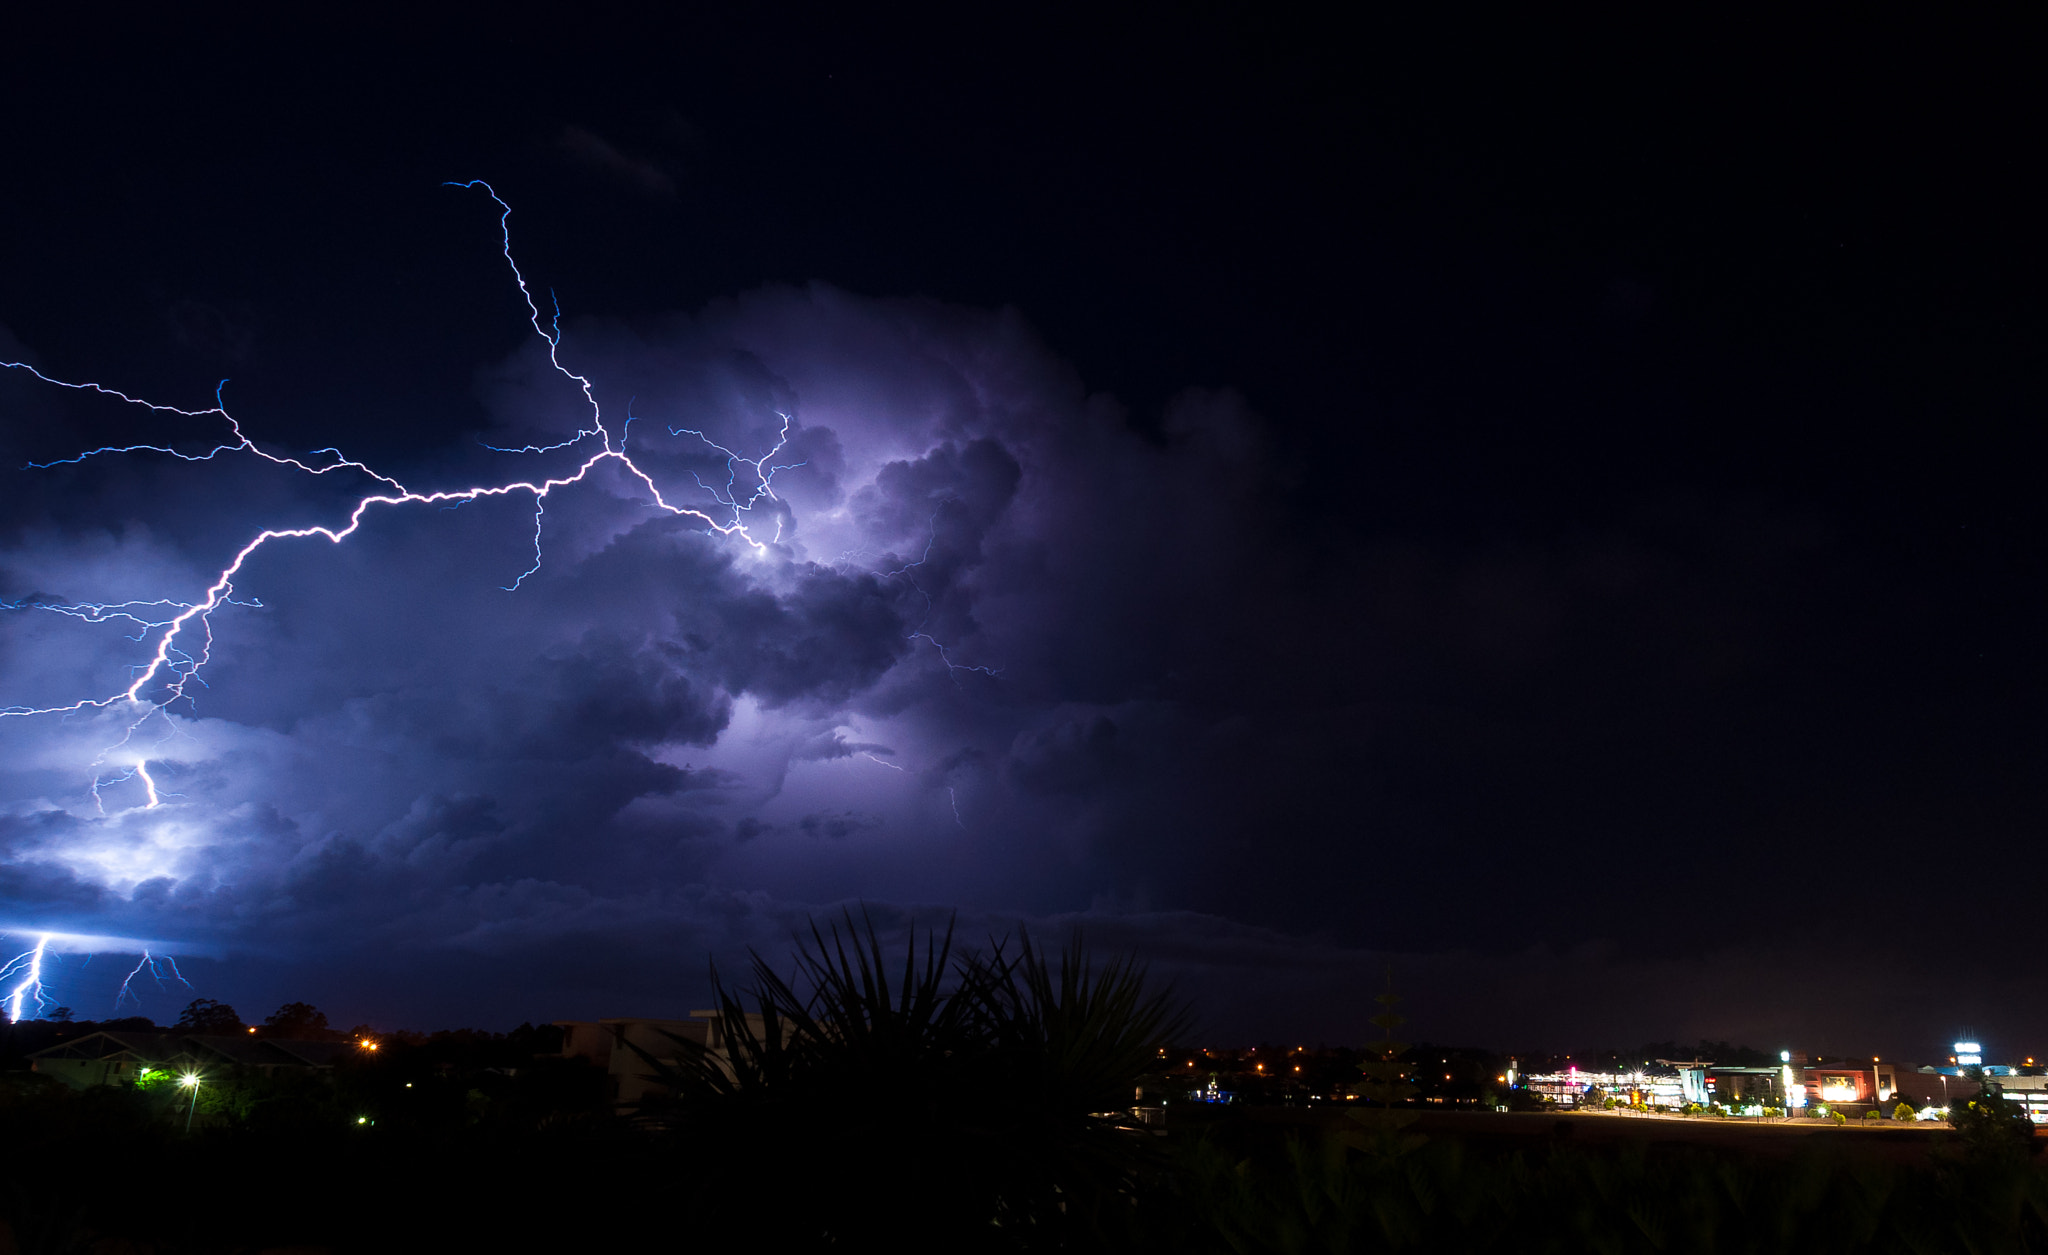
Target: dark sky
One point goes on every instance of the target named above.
(1553, 507)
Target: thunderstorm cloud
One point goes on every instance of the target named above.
(989, 644)
(957, 666)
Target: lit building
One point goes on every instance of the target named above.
(2011, 1081)
(1573, 1088)
(1798, 1082)
(1744, 1087)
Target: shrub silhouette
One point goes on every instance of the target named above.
(971, 1103)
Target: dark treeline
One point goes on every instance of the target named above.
(293, 1020)
(939, 1100)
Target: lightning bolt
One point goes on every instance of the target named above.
(179, 634)
(149, 964)
(182, 631)
(29, 994)
(952, 795)
(29, 966)
(918, 633)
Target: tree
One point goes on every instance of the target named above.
(1991, 1124)
(1386, 1074)
(297, 1021)
(204, 1015)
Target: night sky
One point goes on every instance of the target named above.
(1553, 508)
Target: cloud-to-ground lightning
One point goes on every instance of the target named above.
(28, 968)
(26, 978)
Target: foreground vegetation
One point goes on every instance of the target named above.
(950, 1101)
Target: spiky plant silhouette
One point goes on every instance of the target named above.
(978, 1100)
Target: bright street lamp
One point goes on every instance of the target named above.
(190, 1081)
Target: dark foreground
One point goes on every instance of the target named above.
(511, 1166)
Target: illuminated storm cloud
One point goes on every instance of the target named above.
(828, 597)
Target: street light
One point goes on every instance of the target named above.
(190, 1081)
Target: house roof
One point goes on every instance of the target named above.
(197, 1050)
(127, 1047)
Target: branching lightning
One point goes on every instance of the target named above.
(179, 636)
(182, 631)
(149, 964)
(25, 982)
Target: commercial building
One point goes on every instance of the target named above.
(1850, 1085)
(1651, 1087)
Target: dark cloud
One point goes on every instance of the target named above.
(995, 644)
(592, 151)
(837, 826)
(1071, 757)
(608, 693)
(217, 334)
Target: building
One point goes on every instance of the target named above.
(115, 1058)
(1752, 1087)
(1850, 1085)
(1925, 1085)
(2030, 1092)
(1658, 1087)
(623, 1046)
(1796, 1082)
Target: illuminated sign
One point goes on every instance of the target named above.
(1969, 1053)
